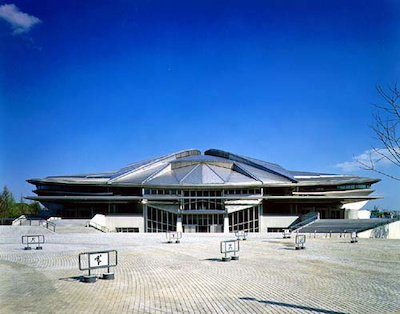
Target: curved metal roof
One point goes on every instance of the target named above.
(191, 168)
(213, 168)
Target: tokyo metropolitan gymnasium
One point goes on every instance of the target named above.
(189, 191)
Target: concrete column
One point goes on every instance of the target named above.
(144, 202)
(179, 224)
(226, 224)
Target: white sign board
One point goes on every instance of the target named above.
(173, 235)
(33, 239)
(229, 246)
(98, 259)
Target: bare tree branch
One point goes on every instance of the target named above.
(385, 126)
(371, 166)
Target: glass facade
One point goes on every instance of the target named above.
(247, 219)
(203, 223)
(160, 220)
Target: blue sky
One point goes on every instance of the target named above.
(88, 86)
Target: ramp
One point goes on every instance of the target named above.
(344, 225)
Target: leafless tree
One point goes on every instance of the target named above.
(386, 122)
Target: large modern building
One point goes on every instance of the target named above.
(189, 191)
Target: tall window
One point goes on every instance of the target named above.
(203, 223)
(246, 219)
(202, 200)
(160, 220)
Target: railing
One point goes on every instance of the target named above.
(301, 222)
(97, 226)
(49, 225)
(22, 220)
(19, 220)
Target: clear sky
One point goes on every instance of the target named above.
(88, 86)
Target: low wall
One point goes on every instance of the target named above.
(119, 221)
(276, 222)
(99, 219)
(389, 231)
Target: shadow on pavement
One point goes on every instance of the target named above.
(213, 259)
(293, 306)
(75, 278)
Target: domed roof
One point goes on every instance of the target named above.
(190, 168)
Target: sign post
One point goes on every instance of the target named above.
(286, 233)
(95, 260)
(229, 246)
(241, 235)
(354, 237)
(32, 240)
(174, 236)
(300, 240)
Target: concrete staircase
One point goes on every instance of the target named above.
(73, 226)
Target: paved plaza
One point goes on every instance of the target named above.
(331, 275)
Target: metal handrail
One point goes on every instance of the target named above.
(41, 222)
(97, 226)
(19, 220)
(48, 224)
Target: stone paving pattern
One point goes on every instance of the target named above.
(330, 276)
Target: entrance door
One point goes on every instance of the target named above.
(203, 228)
(189, 228)
(203, 223)
(216, 228)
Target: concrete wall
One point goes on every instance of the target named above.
(130, 221)
(389, 231)
(350, 213)
(276, 222)
(351, 210)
